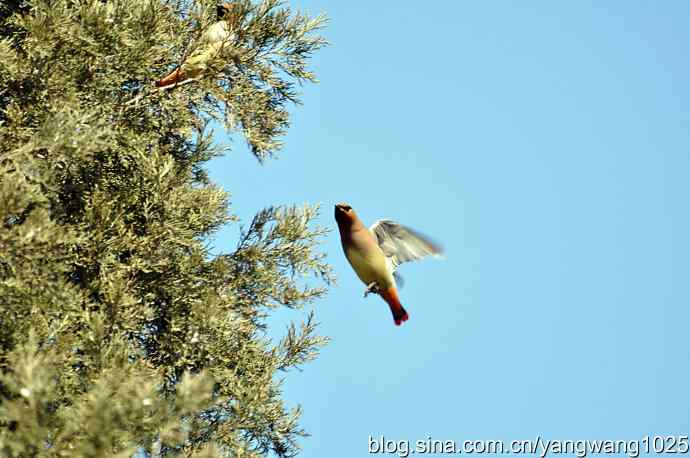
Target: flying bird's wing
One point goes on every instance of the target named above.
(402, 244)
(399, 280)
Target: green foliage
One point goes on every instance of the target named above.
(119, 331)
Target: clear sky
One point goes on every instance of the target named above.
(546, 145)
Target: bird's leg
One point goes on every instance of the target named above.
(372, 287)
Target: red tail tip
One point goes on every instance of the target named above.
(401, 319)
(399, 313)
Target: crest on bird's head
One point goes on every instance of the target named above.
(344, 214)
(229, 11)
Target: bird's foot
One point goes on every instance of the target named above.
(372, 287)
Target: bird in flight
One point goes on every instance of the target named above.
(376, 252)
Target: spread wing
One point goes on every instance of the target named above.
(402, 244)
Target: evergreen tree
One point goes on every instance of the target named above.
(120, 333)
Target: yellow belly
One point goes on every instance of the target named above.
(198, 62)
(370, 267)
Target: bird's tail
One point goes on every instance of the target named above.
(174, 77)
(391, 297)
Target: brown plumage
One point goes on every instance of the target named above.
(213, 42)
(375, 253)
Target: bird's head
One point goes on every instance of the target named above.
(229, 11)
(344, 214)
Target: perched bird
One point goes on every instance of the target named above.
(212, 43)
(375, 254)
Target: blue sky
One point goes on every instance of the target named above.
(546, 145)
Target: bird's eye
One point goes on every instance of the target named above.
(347, 208)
